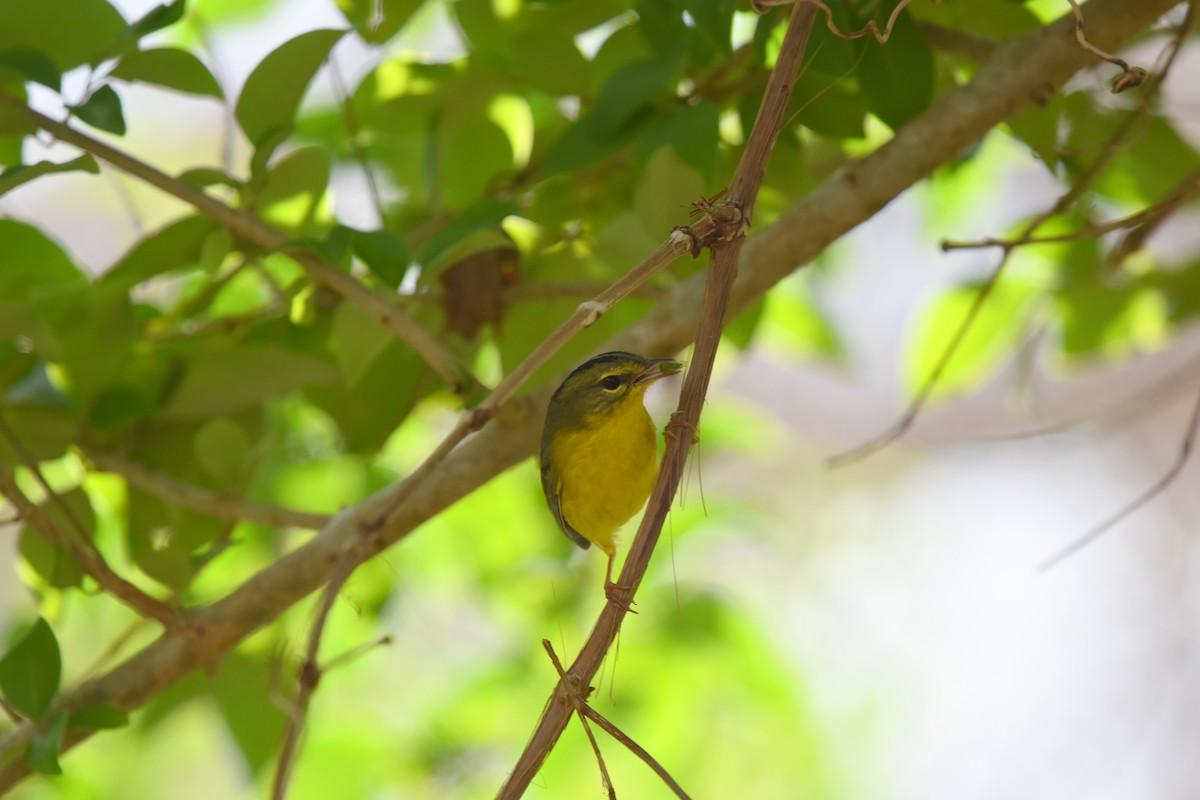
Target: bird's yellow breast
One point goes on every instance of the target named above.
(606, 470)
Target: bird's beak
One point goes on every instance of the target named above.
(657, 368)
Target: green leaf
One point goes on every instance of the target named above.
(714, 18)
(273, 91)
(370, 409)
(53, 560)
(471, 150)
(33, 65)
(34, 266)
(158, 18)
(42, 756)
(994, 19)
(293, 190)
(1038, 127)
(821, 103)
(170, 67)
(30, 671)
(741, 329)
(483, 214)
(378, 21)
(204, 177)
(665, 193)
(581, 145)
(1111, 322)
(997, 328)
(239, 688)
(176, 246)
(692, 132)
(358, 339)
(794, 323)
(120, 406)
(46, 432)
(102, 110)
(71, 32)
(897, 77)
(221, 449)
(384, 252)
(21, 174)
(630, 88)
(235, 379)
(78, 321)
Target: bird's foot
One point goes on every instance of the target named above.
(620, 596)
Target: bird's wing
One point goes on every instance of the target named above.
(552, 487)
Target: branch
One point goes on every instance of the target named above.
(578, 700)
(738, 210)
(269, 238)
(77, 541)
(1013, 79)
(204, 501)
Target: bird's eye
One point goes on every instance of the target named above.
(611, 382)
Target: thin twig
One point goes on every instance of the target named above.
(79, 540)
(1151, 215)
(1181, 459)
(357, 652)
(870, 29)
(578, 699)
(204, 501)
(1129, 77)
(270, 238)
(310, 676)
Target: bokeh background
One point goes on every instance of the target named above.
(879, 630)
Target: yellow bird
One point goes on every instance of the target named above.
(600, 448)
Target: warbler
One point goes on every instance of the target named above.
(600, 448)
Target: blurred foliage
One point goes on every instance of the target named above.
(554, 145)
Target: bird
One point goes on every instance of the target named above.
(599, 452)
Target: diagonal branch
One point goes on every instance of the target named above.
(89, 559)
(1016, 77)
(270, 238)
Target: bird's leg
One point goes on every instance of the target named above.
(617, 594)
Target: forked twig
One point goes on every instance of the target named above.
(310, 676)
(578, 699)
(77, 540)
(1181, 459)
